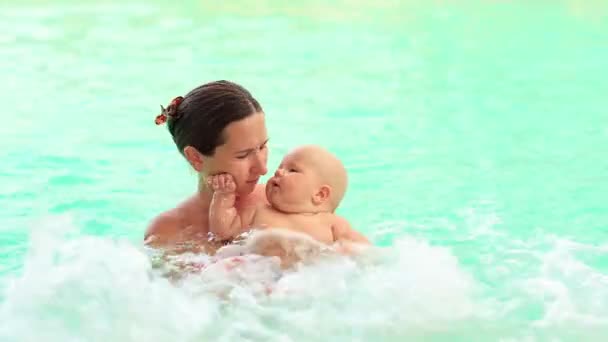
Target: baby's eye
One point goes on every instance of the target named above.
(293, 170)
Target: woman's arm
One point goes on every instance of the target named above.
(346, 239)
(343, 231)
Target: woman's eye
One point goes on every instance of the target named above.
(242, 156)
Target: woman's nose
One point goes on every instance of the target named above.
(260, 163)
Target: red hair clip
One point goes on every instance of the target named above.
(165, 113)
(162, 117)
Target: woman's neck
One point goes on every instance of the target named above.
(204, 194)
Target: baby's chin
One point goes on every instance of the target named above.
(276, 203)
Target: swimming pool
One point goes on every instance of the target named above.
(475, 134)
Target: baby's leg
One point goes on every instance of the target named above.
(231, 251)
(290, 247)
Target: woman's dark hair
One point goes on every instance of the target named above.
(199, 118)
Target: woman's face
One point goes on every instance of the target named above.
(243, 155)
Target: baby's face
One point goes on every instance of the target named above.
(294, 183)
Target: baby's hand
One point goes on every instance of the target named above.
(223, 182)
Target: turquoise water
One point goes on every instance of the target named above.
(475, 134)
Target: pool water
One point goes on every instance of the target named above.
(474, 132)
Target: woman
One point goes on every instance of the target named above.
(218, 127)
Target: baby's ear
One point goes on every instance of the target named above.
(322, 195)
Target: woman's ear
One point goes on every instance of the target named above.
(194, 157)
(321, 195)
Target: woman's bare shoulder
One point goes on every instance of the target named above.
(163, 226)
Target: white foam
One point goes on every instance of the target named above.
(79, 287)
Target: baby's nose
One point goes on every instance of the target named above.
(278, 172)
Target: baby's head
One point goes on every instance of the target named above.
(309, 180)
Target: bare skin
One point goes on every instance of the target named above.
(244, 156)
(184, 229)
(302, 197)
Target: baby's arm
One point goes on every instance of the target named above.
(225, 222)
(345, 236)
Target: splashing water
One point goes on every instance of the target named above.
(79, 287)
(92, 288)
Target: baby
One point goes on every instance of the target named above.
(303, 195)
